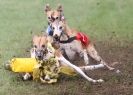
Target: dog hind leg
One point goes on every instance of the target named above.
(93, 53)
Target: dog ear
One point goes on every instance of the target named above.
(46, 41)
(47, 8)
(34, 38)
(59, 8)
(45, 38)
(63, 21)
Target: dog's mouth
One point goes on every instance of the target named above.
(41, 54)
(56, 38)
(39, 57)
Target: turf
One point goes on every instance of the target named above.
(105, 21)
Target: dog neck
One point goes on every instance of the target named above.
(64, 36)
(67, 36)
(69, 31)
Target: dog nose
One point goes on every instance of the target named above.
(39, 57)
(53, 19)
(56, 37)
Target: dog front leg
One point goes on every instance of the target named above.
(26, 76)
(78, 70)
(83, 54)
(86, 58)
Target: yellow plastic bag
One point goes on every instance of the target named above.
(67, 70)
(23, 64)
(28, 65)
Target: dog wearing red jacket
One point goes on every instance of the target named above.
(73, 42)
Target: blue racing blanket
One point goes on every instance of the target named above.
(49, 31)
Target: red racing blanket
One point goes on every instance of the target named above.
(83, 38)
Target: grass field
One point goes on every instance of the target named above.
(109, 23)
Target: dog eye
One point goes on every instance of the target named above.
(60, 27)
(49, 17)
(57, 17)
(35, 46)
(43, 46)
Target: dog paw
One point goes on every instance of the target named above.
(26, 77)
(111, 69)
(118, 71)
(100, 80)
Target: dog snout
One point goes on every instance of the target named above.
(39, 55)
(53, 19)
(56, 37)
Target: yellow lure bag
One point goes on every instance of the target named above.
(27, 65)
(23, 64)
(67, 70)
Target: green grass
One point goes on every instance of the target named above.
(100, 19)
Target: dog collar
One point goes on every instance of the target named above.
(80, 36)
(70, 39)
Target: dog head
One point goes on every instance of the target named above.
(53, 15)
(58, 28)
(40, 46)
